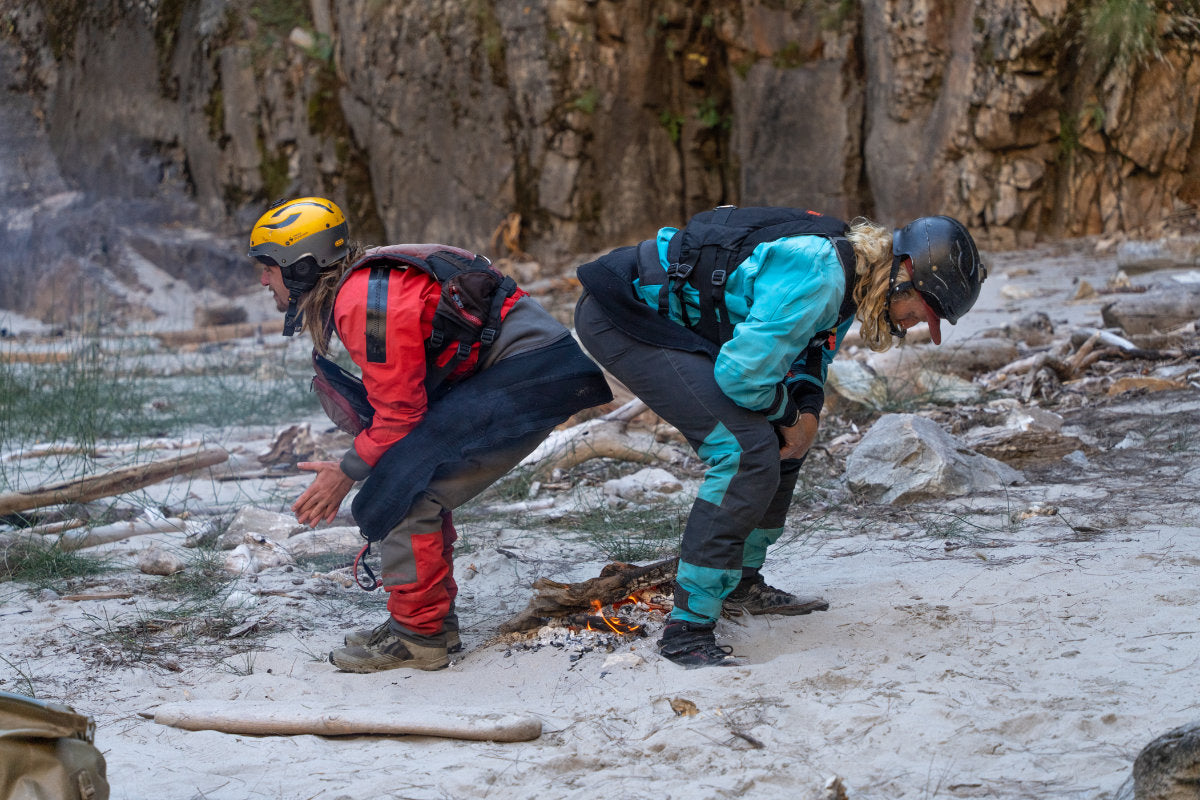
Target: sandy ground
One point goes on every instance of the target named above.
(1017, 644)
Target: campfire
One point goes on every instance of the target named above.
(640, 604)
(604, 627)
(628, 589)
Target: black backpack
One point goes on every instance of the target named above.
(467, 320)
(714, 243)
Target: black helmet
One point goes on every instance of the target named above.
(946, 268)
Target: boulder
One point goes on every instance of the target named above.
(251, 521)
(1168, 768)
(904, 458)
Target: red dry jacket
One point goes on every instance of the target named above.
(395, 387)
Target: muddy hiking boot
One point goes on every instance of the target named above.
(453, 644)
(693, 645)
(387, 649)
(755, 596)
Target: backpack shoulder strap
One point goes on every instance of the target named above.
(714, 243)
(429, 258)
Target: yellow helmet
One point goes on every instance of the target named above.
(302, 237)
(295, 230)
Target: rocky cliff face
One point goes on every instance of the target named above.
(595, 121)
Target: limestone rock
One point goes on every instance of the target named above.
(156, 561)
(904, 458)
(255, 554)
(343, 539)
(258, 522)
(1169, 767)
(644, 486)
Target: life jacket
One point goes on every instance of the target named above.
(466, 323)
(714, 243)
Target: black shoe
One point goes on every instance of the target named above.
(755, 596)
(693, 645)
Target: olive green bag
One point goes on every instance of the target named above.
(46, 751)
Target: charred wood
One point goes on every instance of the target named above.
(617, 581)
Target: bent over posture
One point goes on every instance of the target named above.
(446, 418)
(726, 329)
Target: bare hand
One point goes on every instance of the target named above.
(799, 437)
(322, 499)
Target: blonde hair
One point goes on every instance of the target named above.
(317, 303)
(873, 264)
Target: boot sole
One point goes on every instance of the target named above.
(688, 662)
(364, 668)
(735, 610)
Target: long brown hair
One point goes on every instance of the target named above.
(873, 263)
(317, 303)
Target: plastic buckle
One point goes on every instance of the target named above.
(487, 336)
(718, 277)
(679, 270)
(464, 349)
(436, 338)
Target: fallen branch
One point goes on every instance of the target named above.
(270, 719)
(616, 582)
(1127, 348)
(119, 481)
(603, 437)
(79, 539)
(51, 528)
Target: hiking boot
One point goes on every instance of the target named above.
(693, 645)
(453, 644)
(386, 649)
(756, 596)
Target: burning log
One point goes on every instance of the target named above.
(617, 581)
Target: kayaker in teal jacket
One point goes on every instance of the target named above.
(726, 329)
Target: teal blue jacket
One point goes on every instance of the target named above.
(783, 301)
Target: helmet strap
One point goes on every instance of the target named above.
(294, 318)
(894, 289)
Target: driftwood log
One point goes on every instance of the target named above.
(603, 437)
(293, 719)
(1153, 312)
(616, 582)
(80, 538)
(118, 481)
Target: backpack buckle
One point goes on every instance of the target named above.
(718, 277)
(679, 270)
(436, 338)
(464, 350)
(487, 336)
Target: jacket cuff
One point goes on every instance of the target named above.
(808, 397)
(783, 410)
(354, 466)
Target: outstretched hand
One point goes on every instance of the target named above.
(799, 437)
(322, 499)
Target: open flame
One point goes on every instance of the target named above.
(599, 621)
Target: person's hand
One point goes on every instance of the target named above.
(799, 437)
(322, 499)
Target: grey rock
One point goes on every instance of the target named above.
(904, 457)
(1169, 767)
